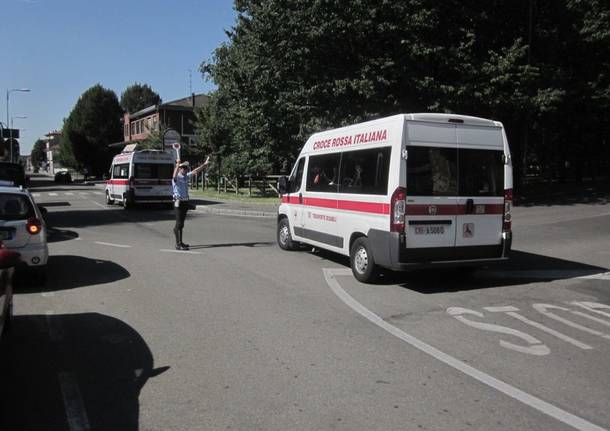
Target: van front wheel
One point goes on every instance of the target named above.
(362, 261)
(284, 239)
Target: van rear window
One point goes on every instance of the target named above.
(147, 171)
(433, 171)
(15, 207)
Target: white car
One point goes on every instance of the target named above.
(23, 229)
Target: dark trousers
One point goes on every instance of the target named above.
(180, 217)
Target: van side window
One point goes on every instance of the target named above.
(295, 182)
(481, 172)
(432, 171)
(121, 171)
(322, 173)
(365, 171)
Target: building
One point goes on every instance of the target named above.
(51, 140)
(177, 114)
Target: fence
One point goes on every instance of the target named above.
(245, 185)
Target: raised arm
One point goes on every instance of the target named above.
(176, 169)
(201, 167)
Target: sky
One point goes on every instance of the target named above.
(60, 48)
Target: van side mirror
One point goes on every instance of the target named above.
(8, 258)
(283, 184)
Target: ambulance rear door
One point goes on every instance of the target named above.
(431, 165)
(480, 185)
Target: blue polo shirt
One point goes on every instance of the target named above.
(180, 185)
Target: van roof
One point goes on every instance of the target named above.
(451, 118)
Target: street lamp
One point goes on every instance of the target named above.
(8, 92)
(16, 116)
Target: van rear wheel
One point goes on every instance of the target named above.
(362, 261)
(126, 203)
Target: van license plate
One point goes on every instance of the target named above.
(429, 230)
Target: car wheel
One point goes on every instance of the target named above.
(362, 261)
(109, 201)
(39, 275)
(126, 203)
(284, 239)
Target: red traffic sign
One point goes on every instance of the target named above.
(176, 145)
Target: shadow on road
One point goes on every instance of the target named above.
(114, 215)
(521, 268)
(70, 272)
(569, 193)
(51, 362)
(233, 244)
(59, 235)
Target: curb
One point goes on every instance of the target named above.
(235, 212)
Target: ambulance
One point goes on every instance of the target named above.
(143, 176)
(401, 192)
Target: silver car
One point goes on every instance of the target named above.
(22, 229)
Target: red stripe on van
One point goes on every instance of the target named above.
(359, 206)
(450, 209)
(118, 182)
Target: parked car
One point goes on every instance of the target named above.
(23, 229)
(8, 260)
(13, 173)
(63, 177)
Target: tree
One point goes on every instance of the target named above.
(92, 125)
(137, 97)
(541, 67)
(39, 154)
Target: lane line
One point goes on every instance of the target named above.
(513, 392)
(36, 195)
(69, 194)
(112, 245)
(73, 402)
(54, 327)
(100, 205)
(52, 194)
(167, 250)
(98, 193)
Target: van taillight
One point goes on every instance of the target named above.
(508, 204)
(397, 210)
(33, 226)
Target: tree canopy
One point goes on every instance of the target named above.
(137, 97)
(39, 153)
(93, 124)
(293, 67)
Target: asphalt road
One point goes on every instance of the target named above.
(237, 334)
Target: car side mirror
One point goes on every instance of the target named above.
(8, 258)
(283, 184)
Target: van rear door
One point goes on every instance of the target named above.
(480, 185)
(430, 218)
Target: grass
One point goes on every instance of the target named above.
(231, 196)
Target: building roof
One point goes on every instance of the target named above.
(186, 103)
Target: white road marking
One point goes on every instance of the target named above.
(112, 245)
(98, 193)
(549, 274)
(36, 195)
(83, 193)
(534, 347)
(542, 308)
(167, 250)
(73, 402)
(601, 276)
(52, 194)
(56, 331)
(513, 392)
(69, 194)
(593, 307)
(99, 205)
(511, 311)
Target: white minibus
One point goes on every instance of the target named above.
(143, 176)
(406, 191)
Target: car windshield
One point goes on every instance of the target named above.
(15, 207)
